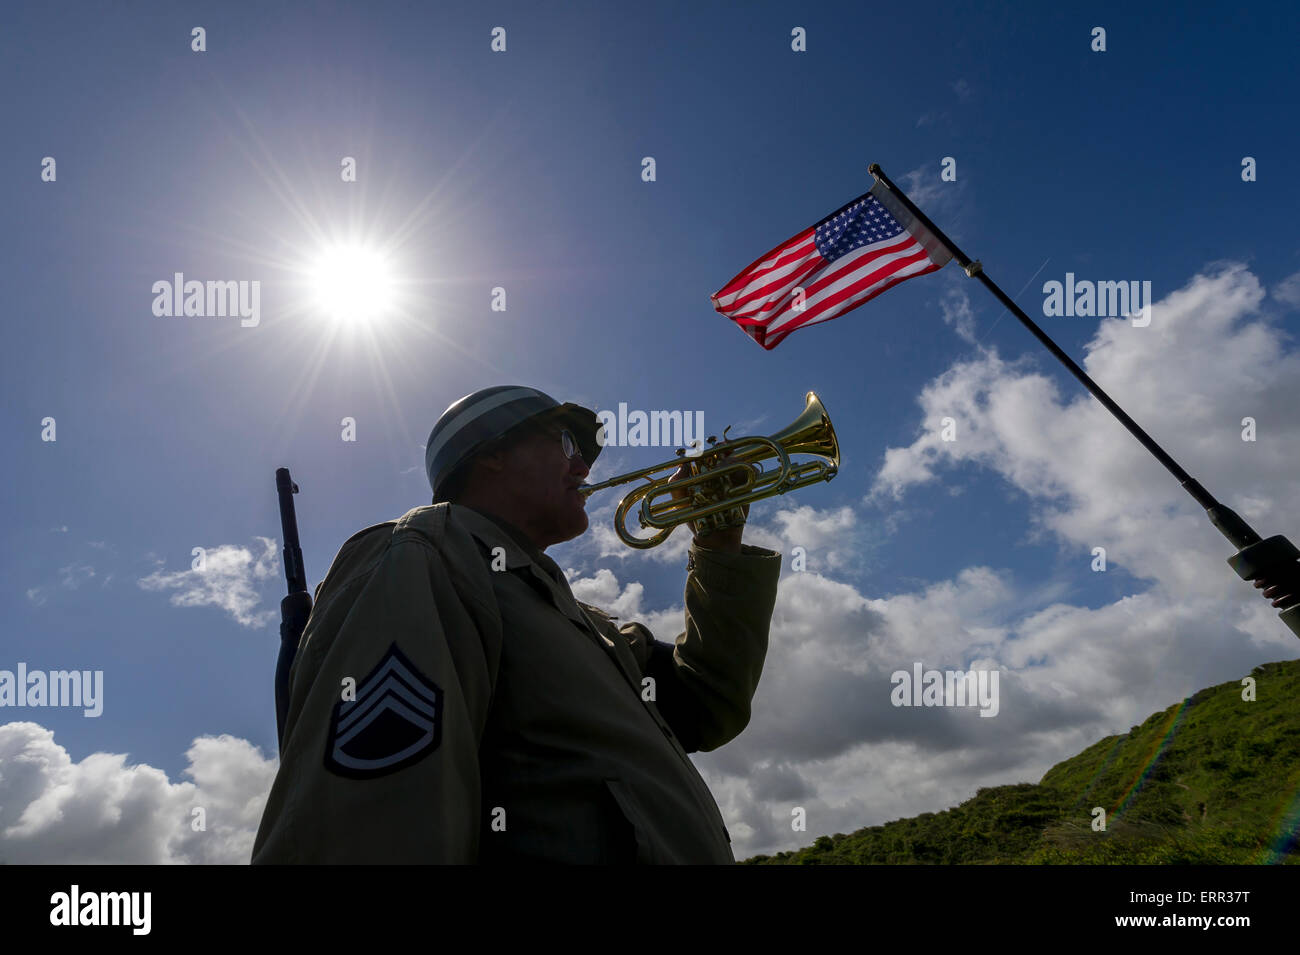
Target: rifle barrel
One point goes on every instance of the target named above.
(294, 572)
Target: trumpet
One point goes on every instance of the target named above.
(726, 476)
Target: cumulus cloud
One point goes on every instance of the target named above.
(624, 601)
(603, 591)
(1191, 378)
(825, 736)
(830, 539)
(228, 580)
(1287, 291)
(104, 810)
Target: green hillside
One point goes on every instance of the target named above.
(1213, 779)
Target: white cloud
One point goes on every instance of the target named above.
(624, 602)
(825, 736)
(957, 312)
(926, 190)
(74, 575)
(1189, 379)
(70, 576)
(603, 591)
(937, 198)
(1288, 290)
(103, 810)
(228, 581)
(832, 540)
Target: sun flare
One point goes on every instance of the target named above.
(352, 283)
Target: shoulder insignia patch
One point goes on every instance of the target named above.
(395, 720)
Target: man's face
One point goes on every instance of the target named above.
(543, 486)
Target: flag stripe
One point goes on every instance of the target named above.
(760, 305)
(834, 275)
(858, 295)
(790, 261)
(829, 295)
(769, 259)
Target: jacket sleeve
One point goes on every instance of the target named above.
(386, 771)
(706, 680)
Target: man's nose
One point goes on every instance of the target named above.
(578, 466)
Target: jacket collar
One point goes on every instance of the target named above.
(497, 531)
(520, 554)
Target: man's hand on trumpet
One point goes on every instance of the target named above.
(723, 539)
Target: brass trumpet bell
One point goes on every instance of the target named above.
(726, 476)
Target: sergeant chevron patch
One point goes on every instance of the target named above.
(395, 720)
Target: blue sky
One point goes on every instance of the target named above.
(522, 170)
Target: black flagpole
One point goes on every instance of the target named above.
(1273, 560)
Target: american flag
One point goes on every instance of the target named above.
(852, 255)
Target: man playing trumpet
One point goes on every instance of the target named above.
(451, 701)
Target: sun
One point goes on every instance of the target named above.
(352, 283)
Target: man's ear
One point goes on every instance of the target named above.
(499, 458)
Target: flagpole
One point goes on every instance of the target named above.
(1274, 558)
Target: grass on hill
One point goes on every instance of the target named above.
(1211, 780)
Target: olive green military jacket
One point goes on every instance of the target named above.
(451, 702)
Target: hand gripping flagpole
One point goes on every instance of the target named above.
(1275, 561)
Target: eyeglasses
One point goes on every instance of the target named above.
(569, 443)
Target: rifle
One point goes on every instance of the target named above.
(294, 608)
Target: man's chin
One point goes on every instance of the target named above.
(575, 526)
